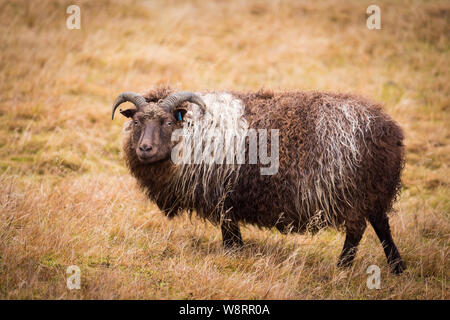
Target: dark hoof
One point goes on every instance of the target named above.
(398, 268)
(345, 263)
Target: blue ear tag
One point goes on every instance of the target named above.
(179, 116)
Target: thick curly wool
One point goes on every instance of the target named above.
(340, 158)
(340, 161)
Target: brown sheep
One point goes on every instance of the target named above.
(338, 164)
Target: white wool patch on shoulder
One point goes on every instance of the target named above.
(224, 111)
(220, 129)
(211, 138)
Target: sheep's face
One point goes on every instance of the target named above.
(151, 133)
(153, 123)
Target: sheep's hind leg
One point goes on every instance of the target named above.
(352, 239)
(380, 224)
(231, 234)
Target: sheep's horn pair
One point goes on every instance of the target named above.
(168, 103)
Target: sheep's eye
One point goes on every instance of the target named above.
(169, 123)
(135, 122)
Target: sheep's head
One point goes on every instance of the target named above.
(153, 123)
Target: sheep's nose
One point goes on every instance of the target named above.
(145, 148)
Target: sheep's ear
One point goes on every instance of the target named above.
(128, 113)
(179, 114)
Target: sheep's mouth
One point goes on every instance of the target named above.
(150, 159)
(146, 159)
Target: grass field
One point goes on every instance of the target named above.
(66, 197)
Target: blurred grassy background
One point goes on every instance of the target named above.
(66, 198)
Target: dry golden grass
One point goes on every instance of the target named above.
(66, 198)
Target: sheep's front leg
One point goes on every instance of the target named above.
(231, 234)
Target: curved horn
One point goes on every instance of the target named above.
(178, 98)
(136, 99)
